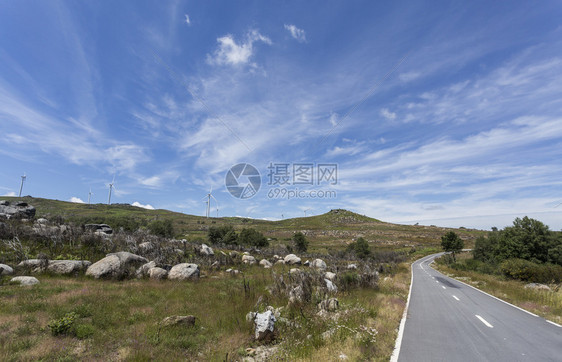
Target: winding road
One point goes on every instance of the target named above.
(451, 321)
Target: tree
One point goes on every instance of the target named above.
(222, 234)
(451, 242)
(527, 239)
(163, 228)
(300, 242)
(361, 248)
(252, 237)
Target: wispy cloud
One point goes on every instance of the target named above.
(187, 20)
(296, 33)
(10, 193)
(76, 200)
(230, 52)
(388, 114)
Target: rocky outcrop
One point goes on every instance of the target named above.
(6, 270)
(206, 250)
(248, 259)
(116, 265)
(184, 271)
(99, 229)
(66, 267)
(17, 210)
(181, 320)
(318, 264)
(25, 280)
(292, 259)
(264, 326)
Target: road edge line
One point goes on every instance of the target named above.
(398, 344)
(501, 300)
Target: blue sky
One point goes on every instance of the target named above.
(437, 112)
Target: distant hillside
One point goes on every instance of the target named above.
(333, 229)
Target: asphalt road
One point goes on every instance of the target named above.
(450, 321)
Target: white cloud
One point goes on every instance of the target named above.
(76, 200)
(10, 193)
(233, 53)
(187, 19)
(296, 33)
(388, 114)
(334, 119)
(147, 206)
(409, 76)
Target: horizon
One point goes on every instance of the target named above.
(408, 112)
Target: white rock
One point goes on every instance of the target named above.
(6, 269)
(306, 263)
(331, 286)
(248, 259)
(146, 246)
(292, 259)
(294, 271)
(145, 268)
(265, 326)
(157, 273)
(66, 267)
(329, 305)
(330, 275)
(25, 280)
(115, 265)
(318, 264)
(207, 250)
(184, 271)
(537, 286)
(352, 266)
(265, 263)
(41, 221)
(281, 261)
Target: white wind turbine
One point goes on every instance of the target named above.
(306, 211)
(23, 178)
(111, 186)
(90, 196)
(208, 198)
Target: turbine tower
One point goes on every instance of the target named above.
(111, 186)
(306, 211)
(208, 198)
(90, 196)
(22, 181)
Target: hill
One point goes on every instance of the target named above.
(333, 229)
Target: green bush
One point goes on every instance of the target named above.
(222, 234)
(532, 272)
(252, 237)
(83, 331)
(163, 228)
(62, 325)
(300, 242)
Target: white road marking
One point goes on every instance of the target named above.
(484, 321)
(553, 323)
(454, 296)
(443, 287)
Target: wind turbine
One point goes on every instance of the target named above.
(90, 196)
(111, 185)
(208, 202)
(22, 181)
(306, 211)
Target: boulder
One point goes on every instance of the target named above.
(116, 265)
(265, 263)
(18, 210)
(281, 261)
(157, 273)
(329, 305)
(146, 246)
(306, 263)
(184, 271)
(34, 265)
(248, 259)
(175, 320)
(145, 268)
(294, 271)
(265, 326)
(537, 286)
(296, 295)
(65, 267)
(330, 276)
(99, 229)
(25, 280)
(318, 264)
(352, 267)
(42, 221)
(206, 250)
(6, 269)
(331, 286)
(292, 259)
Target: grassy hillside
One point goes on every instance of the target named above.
(332, 230)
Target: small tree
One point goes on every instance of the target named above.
(252, 237)
(360, 247)
(300, 242)
(451, 242)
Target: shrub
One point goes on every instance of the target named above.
(532, 272)
(360, 248)
(252, 237)
(83, 331)
(452, 242)
(163, 228)
(300, 242)
(62, 325)
(222, 234)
